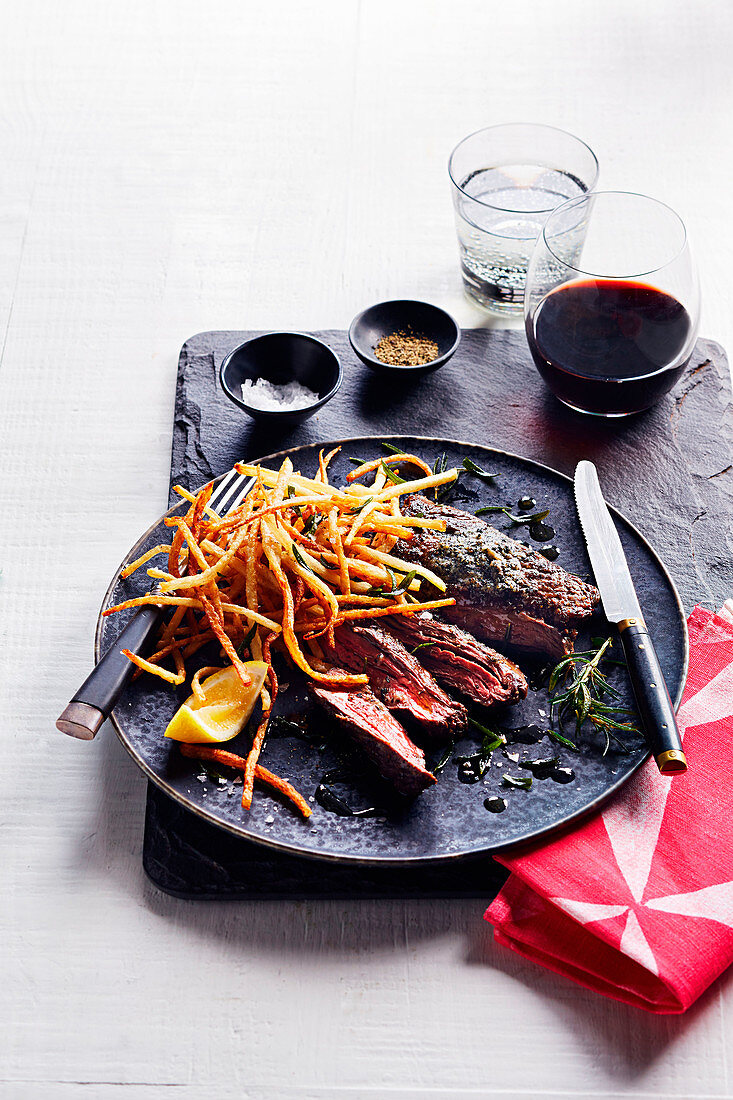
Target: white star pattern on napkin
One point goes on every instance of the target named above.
(633, 825)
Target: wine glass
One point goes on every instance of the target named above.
(612, 302)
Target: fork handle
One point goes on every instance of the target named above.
(94, 700)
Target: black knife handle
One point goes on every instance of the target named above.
(95, 698)
(652, 698)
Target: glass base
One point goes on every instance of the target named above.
(494, 305)
(594, 412)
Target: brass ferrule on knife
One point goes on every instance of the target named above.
(626, 623)
(671, 762)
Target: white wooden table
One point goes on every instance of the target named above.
(172, 166)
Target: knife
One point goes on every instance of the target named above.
(621, 606)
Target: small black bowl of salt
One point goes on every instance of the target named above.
(404, 336)
(281, 377)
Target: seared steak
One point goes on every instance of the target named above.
(379, 735)
(504, 591)
(398, 679)
(457, 659)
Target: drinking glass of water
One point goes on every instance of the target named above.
(506, 180)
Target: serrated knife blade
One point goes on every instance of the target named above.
(606, 553)
(621, 606)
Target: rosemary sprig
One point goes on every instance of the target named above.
(526, 521)
(444, 757)
(439, 467)
(596, 642)
(405, 583)
(514, 521)
(391, 448)
(474, 468)
(492, 740)
(302, 562)
(520, 782)
(521, 521)
(397, 589)
(478, 762)
(390, 474)
(293, 493)
(310, 525)
(579, 691)
(246, 641)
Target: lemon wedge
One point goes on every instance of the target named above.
(224, 710)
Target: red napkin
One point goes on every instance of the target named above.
(637, 903)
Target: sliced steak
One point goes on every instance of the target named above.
(379, 735)
(399, 679)
(504, 591)
(457, 659)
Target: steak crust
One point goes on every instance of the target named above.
(504, 591)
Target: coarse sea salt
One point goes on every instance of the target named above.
(261, 394)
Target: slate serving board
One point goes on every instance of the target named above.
(669, 469)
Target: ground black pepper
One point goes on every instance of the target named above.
(405, 349)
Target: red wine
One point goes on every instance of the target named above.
(610, 346)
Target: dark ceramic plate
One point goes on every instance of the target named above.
(449, 820)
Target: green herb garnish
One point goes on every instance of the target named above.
(596, 642)
(404, 583)
(439, 467)
(579, 691)
(292, 493)
(310, 525)
(480, 761)
(391, 475)
(397, 589)
(492, 740)
(392, 449)
(444, 491)
(246, 641)
(441, 464)
(445, 757)
(514, 521)
(423, 645)
(522, 782)
(356, 461)
(301, 560)
(355, 511)
(522, 521)
(474, 468)
(555, 736)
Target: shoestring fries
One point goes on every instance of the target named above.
(295, 559)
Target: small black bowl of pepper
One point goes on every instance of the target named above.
(404, 336)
